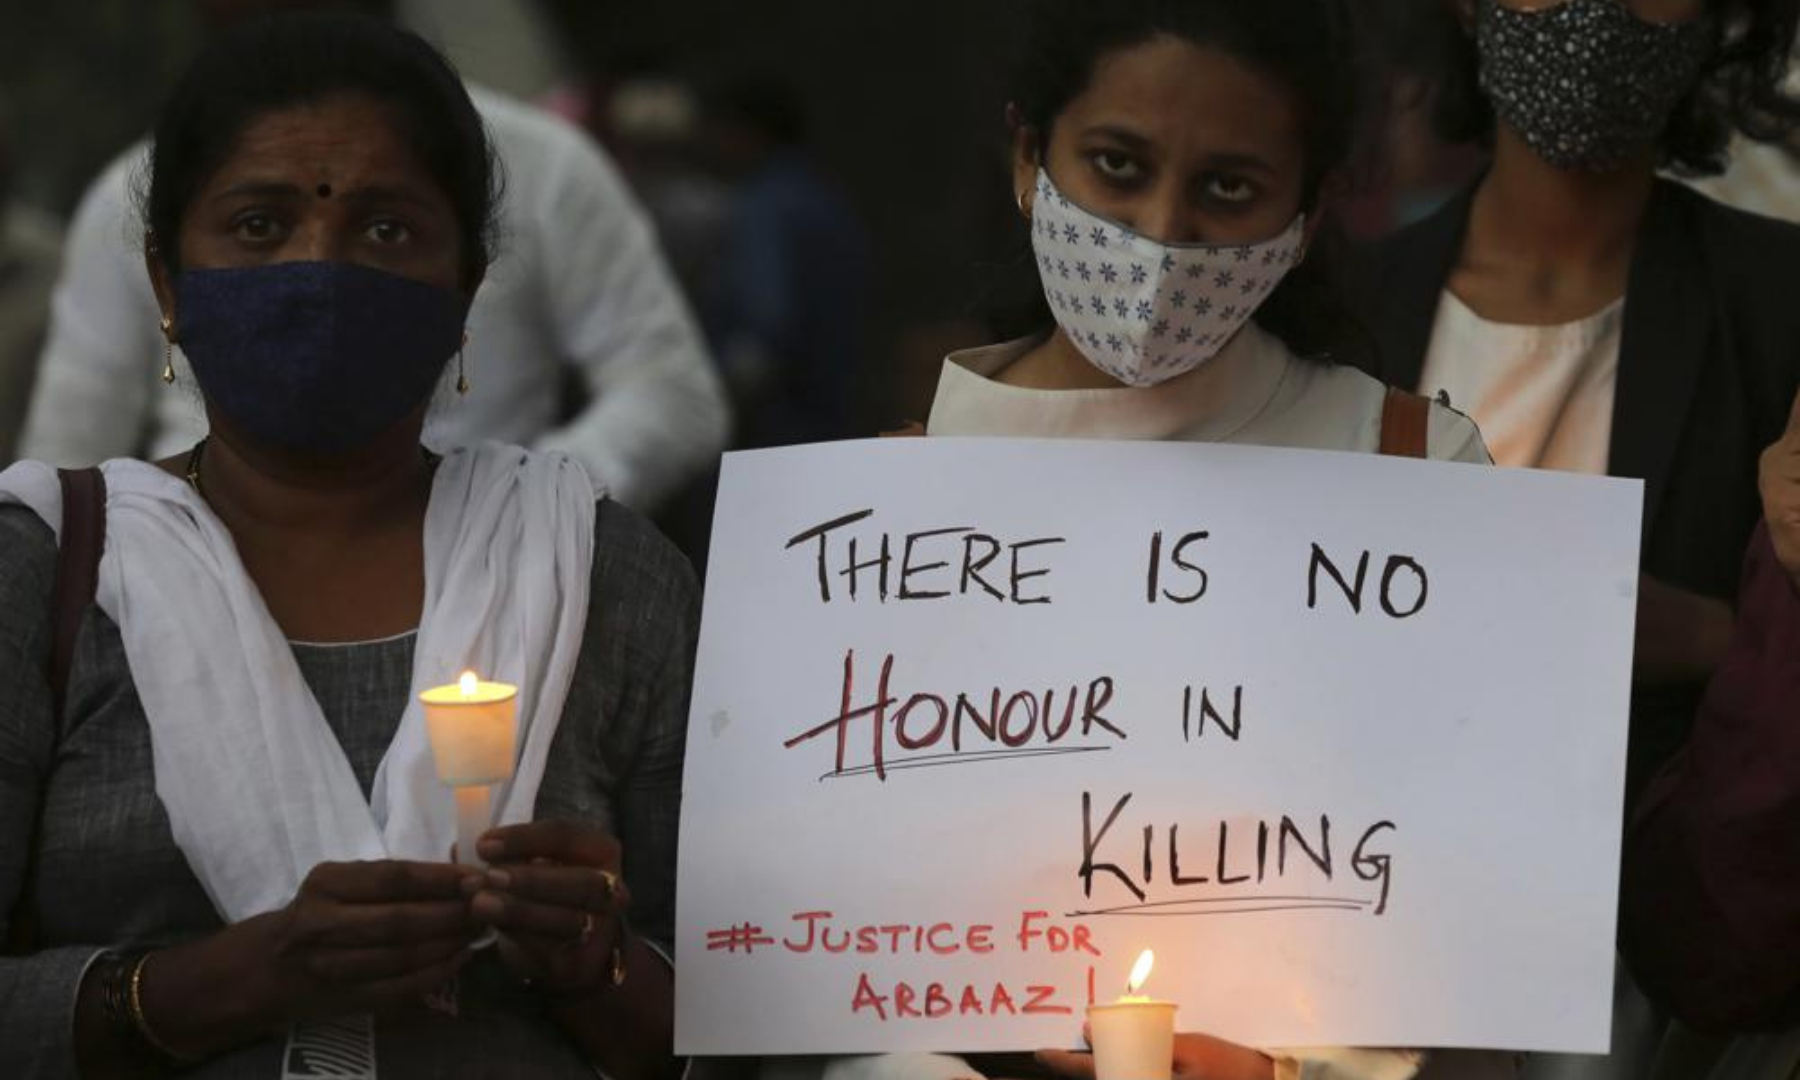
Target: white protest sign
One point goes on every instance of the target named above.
(1342, 737)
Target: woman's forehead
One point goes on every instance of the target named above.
(1181, 95)
(342, 140)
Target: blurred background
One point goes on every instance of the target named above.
(885, 122)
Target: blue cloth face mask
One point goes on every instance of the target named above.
(318, 358)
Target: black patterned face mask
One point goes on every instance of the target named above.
(1586, 83)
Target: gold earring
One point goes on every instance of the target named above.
(462, 378)
(1024, 211)
(168, 374)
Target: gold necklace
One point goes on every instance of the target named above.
(193, 466)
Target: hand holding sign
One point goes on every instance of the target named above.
(1779, 479)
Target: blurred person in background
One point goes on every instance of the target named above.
(1595, 318)
(1761, 177)
(786, 310)
(580, 340)
(1407, 171)
(1764, 178)
(653, 121)
(30, 247)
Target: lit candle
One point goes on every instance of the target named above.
(1134, 1037)
(473, 727)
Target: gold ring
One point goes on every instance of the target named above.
(587, 928)
(612, 884)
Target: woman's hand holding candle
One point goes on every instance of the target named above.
(554, 893)
(357, 937)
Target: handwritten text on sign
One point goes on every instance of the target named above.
(1341, 737)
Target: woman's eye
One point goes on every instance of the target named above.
(1116, 165)
(389, 231)
(1230, 189)
(256, 228)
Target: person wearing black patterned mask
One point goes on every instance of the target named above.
(1591, 316)
(1596, 318)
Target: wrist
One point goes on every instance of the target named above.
(626, 1029)
(113, 992)
(614, 974)
(208, 996)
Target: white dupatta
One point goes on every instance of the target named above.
(256, 787)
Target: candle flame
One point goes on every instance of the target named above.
(1140, 971)
(469, 684)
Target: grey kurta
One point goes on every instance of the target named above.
(110, 876)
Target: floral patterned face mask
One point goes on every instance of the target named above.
(1586, 83)
(1143, 311)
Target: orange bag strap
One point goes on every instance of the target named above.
(1405, 421)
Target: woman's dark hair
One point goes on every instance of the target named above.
(1307, 45)
(283, 61)
(1740, 90)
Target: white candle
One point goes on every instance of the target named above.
(473, 727)
(1134, 1037)
(472, 817)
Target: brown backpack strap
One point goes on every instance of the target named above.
(1405, 422)
(77, 569)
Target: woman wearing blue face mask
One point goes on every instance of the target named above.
(223, 843)
(1169, 159)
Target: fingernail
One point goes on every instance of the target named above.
(499, 879)
(491, 849)
(471, 885)
(488, 906)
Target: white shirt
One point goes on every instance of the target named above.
(1255, 392)
(578, 281)
(1543, 395)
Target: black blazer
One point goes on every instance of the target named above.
(1708, 366)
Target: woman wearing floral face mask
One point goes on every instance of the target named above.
(1594, 318)
(223, 845)
(1169, 160)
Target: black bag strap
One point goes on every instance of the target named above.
(77, 581)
